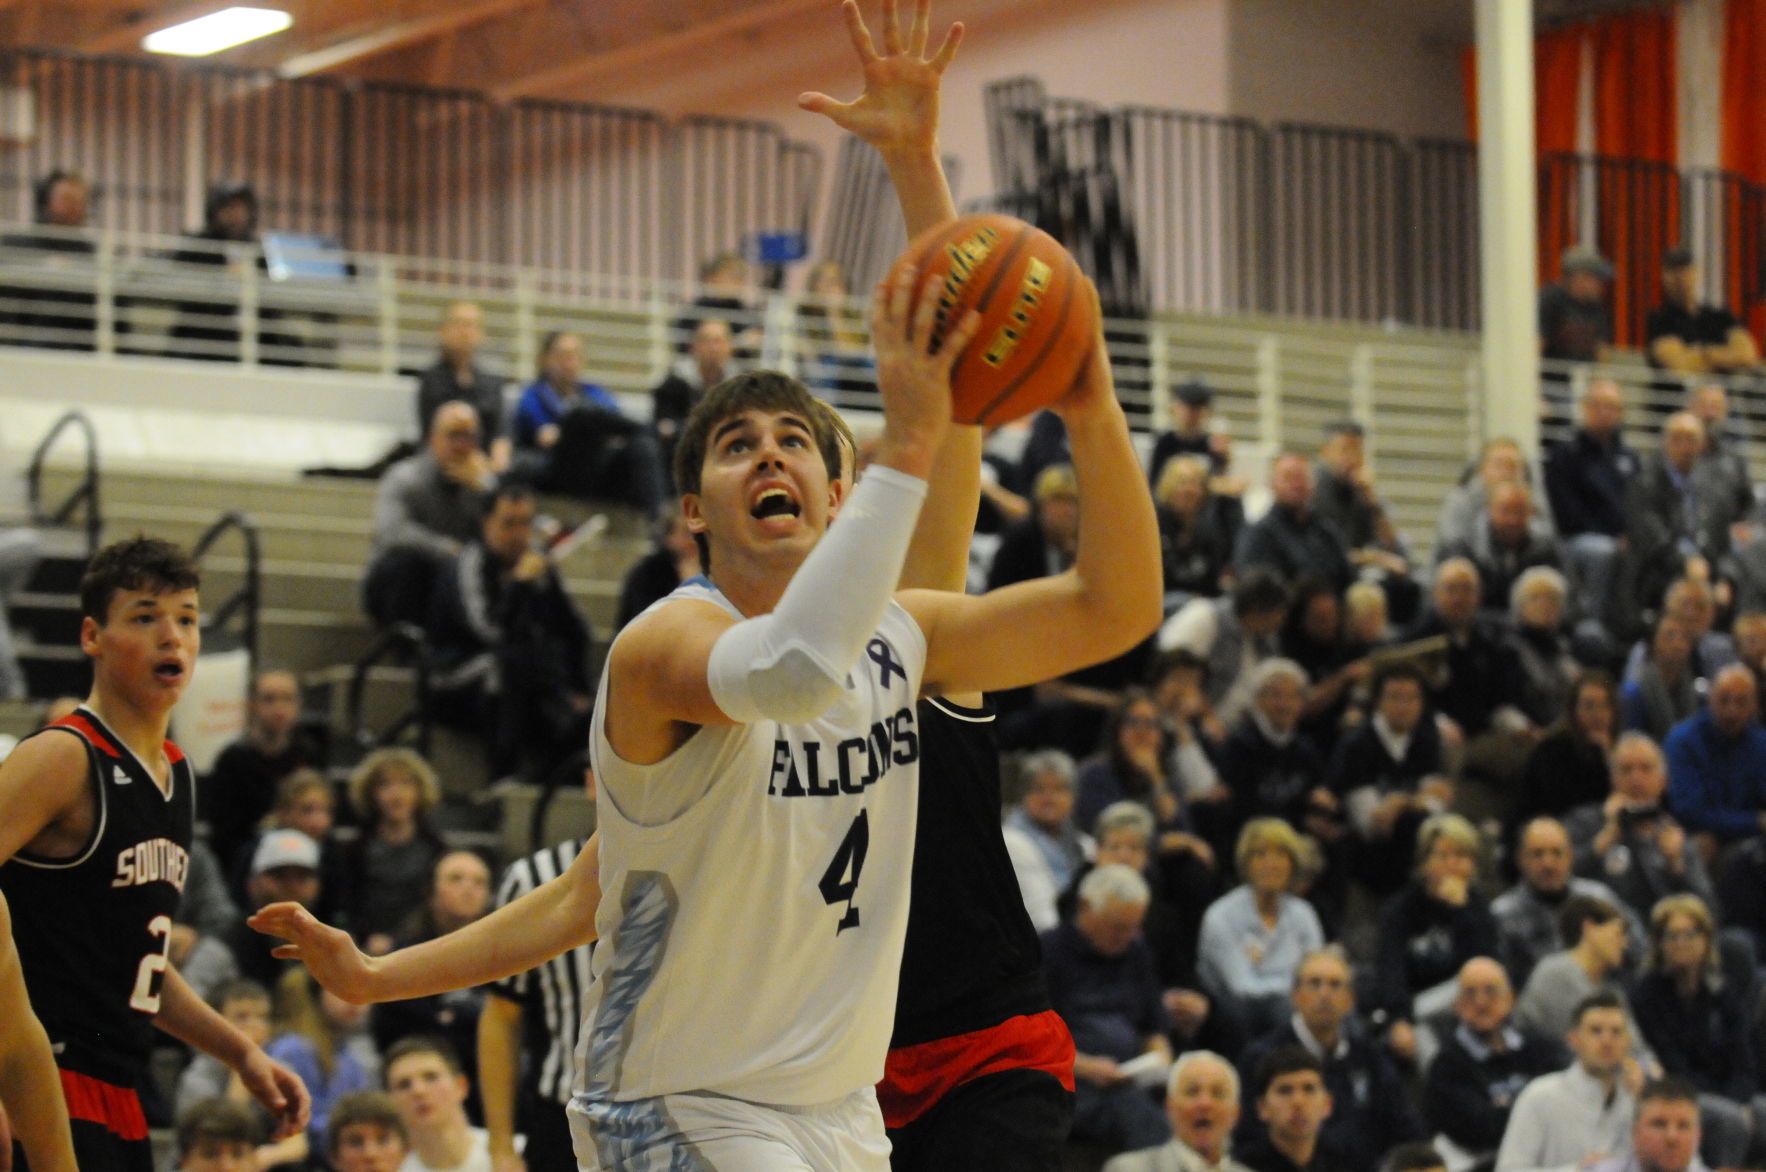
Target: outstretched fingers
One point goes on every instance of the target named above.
(921, 30)
(947, 52)
(891, 29)
(855, 28)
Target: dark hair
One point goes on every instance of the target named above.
(44, 191)
(1128, 776)
(550, 339)
(1403, 669)
(1416, 1157)
(1601, 999)
(1578, 912)
(424, 1044)
(1300, 595)
(1337, 427)
(1678, 257)
(512, 491)
(218, 1121)
(1289, 1059)
(139, 563)
(765, 390)
(1177, 659)
(1670, 1088)
(1259, 590)
(358, 1107)
(1590, 678)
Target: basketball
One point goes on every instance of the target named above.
(1038, 324)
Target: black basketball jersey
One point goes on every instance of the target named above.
(972, 959)
(93, 929)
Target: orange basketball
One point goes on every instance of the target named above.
(1038, 324)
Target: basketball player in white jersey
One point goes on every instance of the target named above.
(757, 748)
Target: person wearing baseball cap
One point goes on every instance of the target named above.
(1688, 337)
(1575, 323)
(285, 866)
(1192, 406)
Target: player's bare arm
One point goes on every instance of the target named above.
(499, 1061)
(29, 1084)
(191, 1020)
(898, 111)
(1109, 601)
(898, 114)
(551, 919)
(46, 803)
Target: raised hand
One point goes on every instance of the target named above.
(898, 110)
(329, 953)
(913, 375)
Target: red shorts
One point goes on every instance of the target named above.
(916, 1077)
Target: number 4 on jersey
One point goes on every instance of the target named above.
(840, 881)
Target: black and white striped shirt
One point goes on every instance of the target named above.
(550, 995)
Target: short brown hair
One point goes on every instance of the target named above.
(766, 390)
(218, 1121)
(140, 563)
(371, 1107)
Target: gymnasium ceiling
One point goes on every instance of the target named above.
(579, 49)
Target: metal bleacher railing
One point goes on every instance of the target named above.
(1277, 381)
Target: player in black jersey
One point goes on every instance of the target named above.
(96, 815)
(980, 1069)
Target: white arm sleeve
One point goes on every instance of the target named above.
(791, 665)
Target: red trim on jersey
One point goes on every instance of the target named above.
(173, 753)
(916, 1077)
(117, 1109)
(87, 729)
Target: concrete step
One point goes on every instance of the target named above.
(348, 500)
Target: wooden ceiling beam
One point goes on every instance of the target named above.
(125, 35)
(396, 36)
(593, 65)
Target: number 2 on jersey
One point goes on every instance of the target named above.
(840, 881)
(152, 969)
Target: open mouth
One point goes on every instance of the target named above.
(170, 670)
(775, 502)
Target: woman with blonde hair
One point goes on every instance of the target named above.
(319, 1036)
(1433, 925)
(1698, 1024)
(1254, 936)
(388, 865)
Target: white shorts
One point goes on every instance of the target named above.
(711, 1133)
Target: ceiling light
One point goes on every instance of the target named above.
(217, 31)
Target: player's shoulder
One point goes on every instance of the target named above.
(667, 626)
(50, 767)
(47, 754)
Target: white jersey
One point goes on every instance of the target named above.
(755, 895)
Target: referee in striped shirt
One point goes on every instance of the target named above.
(527, 1036)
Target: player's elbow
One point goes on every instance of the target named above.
(798, 687)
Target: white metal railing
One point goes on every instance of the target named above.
(1277, 383)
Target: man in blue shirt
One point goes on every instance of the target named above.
(1717, 762)
(571, 436)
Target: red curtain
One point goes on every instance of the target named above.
(1557, 93)
(1636, 86)
(1744, 89)
(1636, 118)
